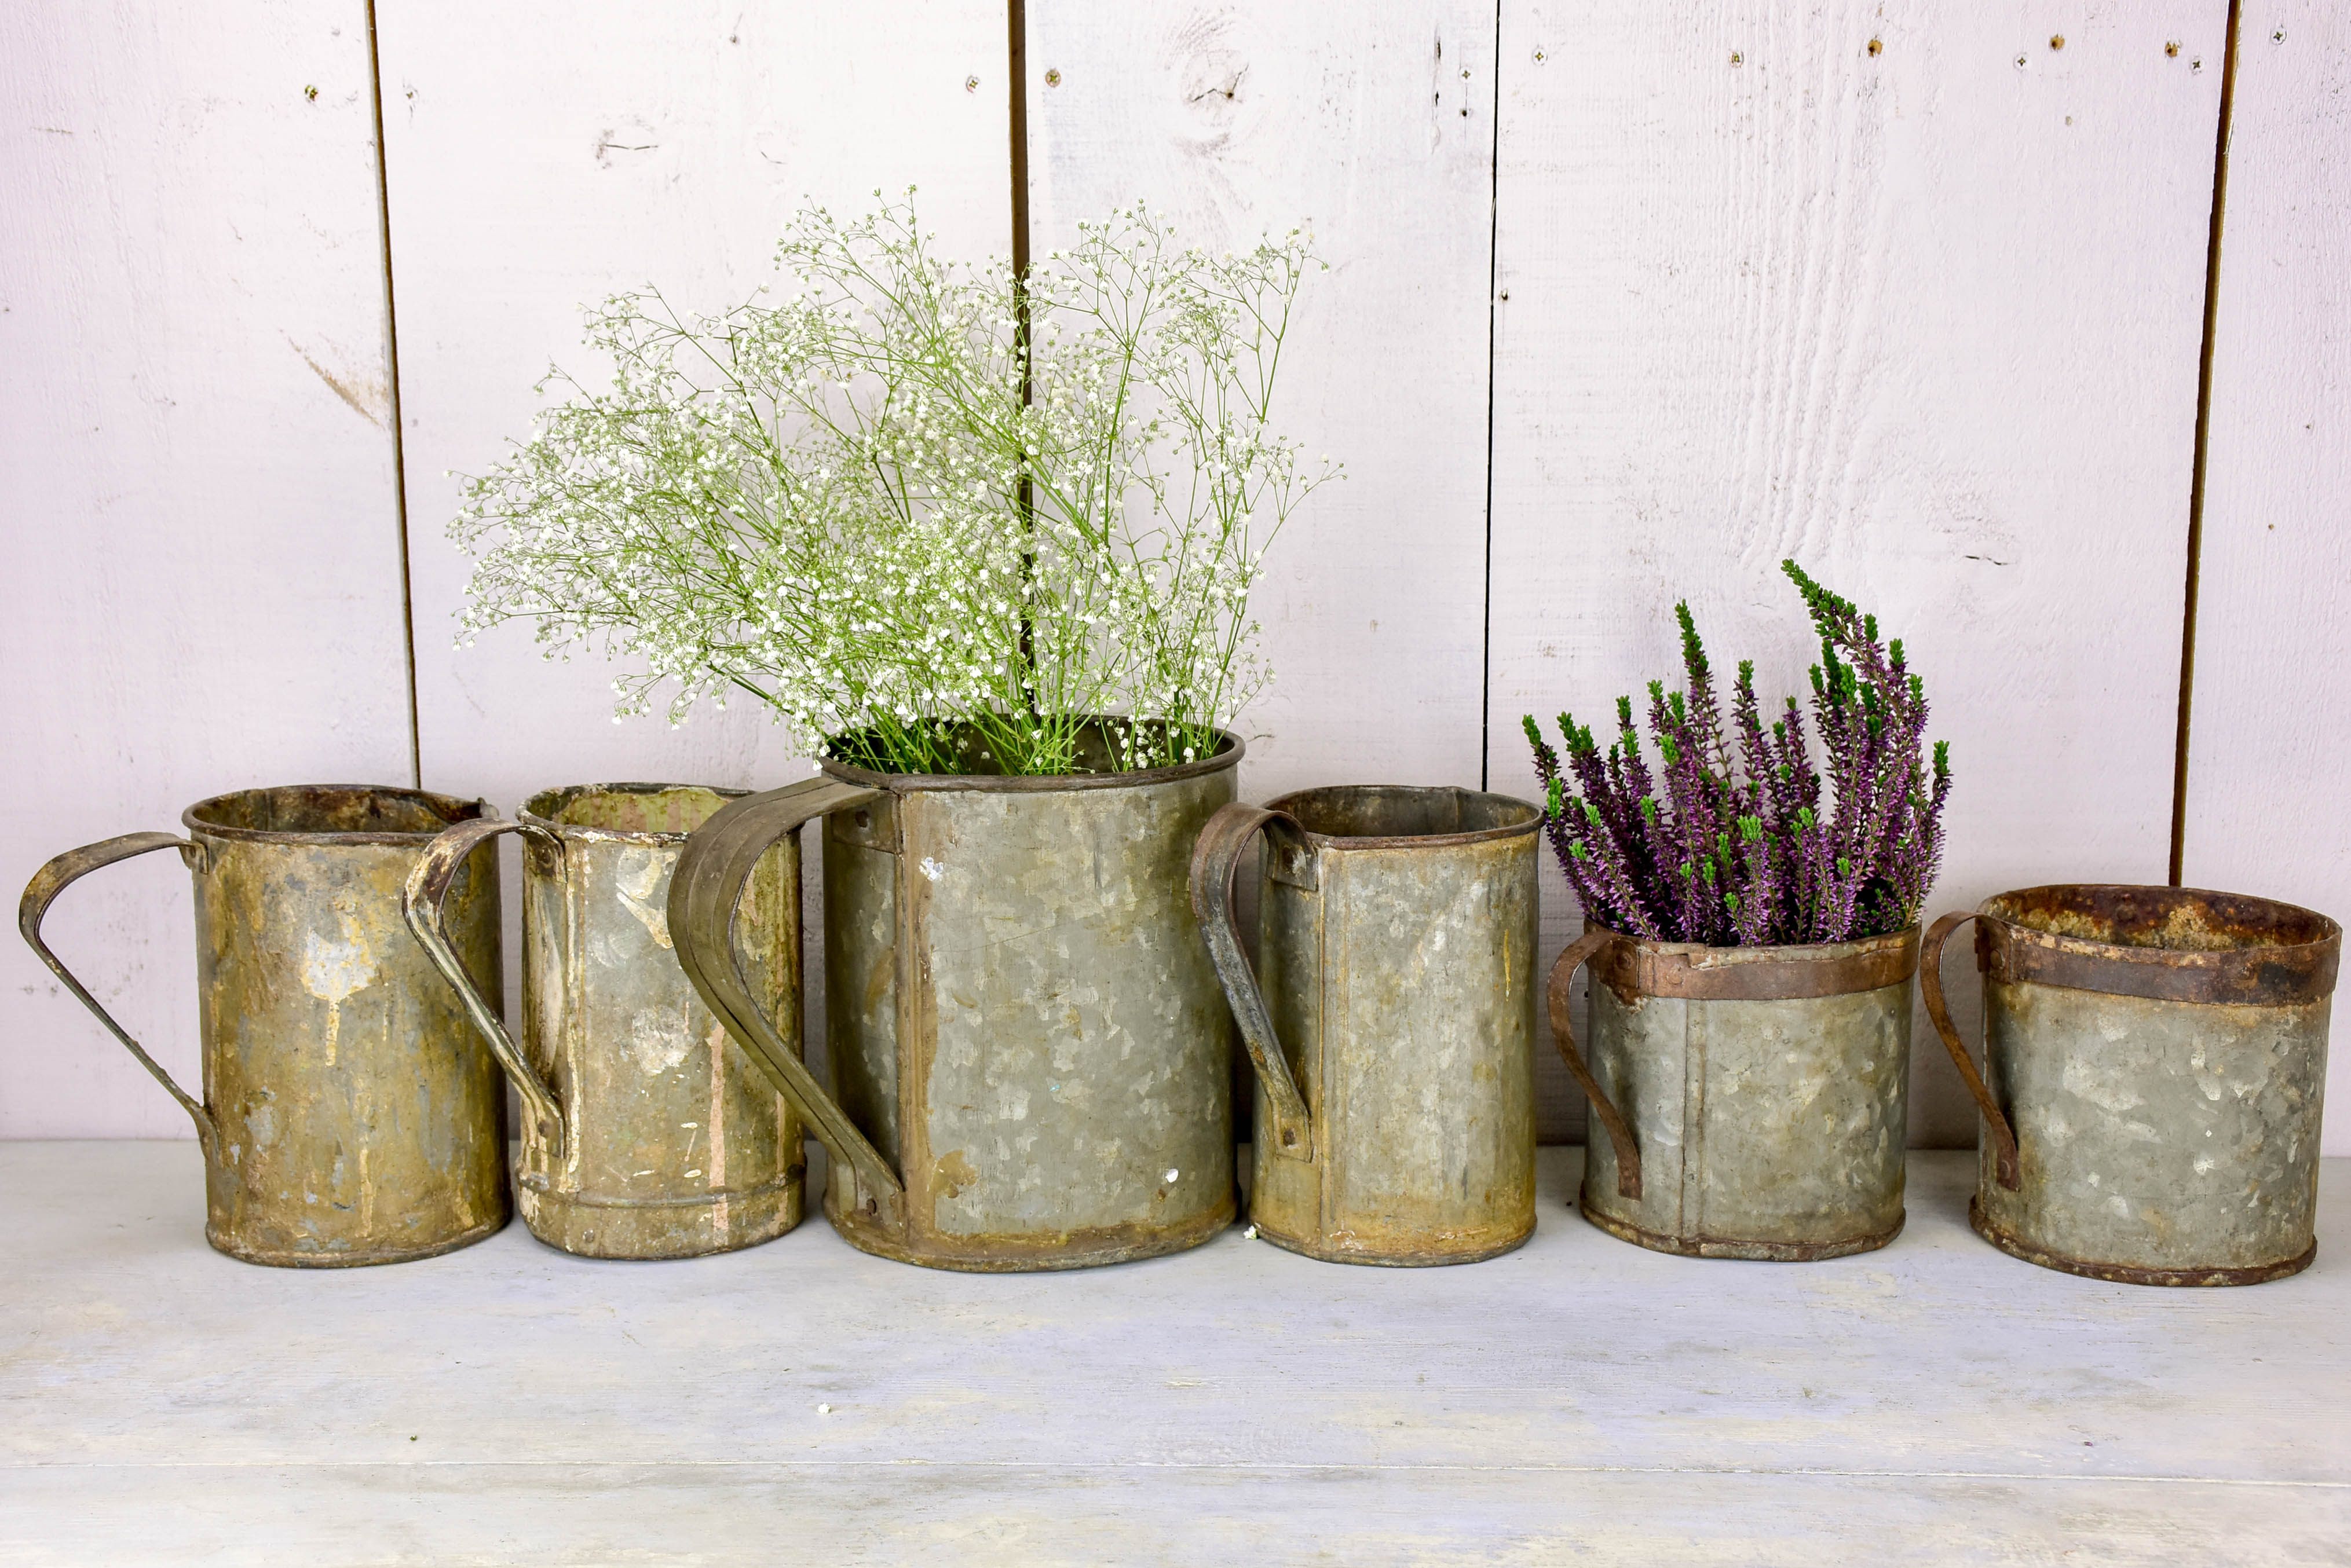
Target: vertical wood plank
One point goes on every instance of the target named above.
(203, 553)
(1925, 319)
(2273, 644)
(538, 163)
(1370, 128)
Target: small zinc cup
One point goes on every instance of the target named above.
(2155, 1063)
(349, 1114)
(1392, 1019)
(647, 1132)
(1754, 1099)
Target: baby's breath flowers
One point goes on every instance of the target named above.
(839, 501)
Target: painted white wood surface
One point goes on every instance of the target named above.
(537, 165)
(1926, 317)
(2267, 752)
(1372, 131)
(202, 553)
(1772, 294)
(1934, 1402)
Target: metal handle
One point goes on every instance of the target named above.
(1213, 859)
(1562, 1034)
(52, 879)
(1931, 981)
(428, 888)
(704, 893)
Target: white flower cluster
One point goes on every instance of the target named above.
(848, 505)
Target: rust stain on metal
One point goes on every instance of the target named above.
(1049, 1041)
(1392, 1024)
(651, 1134)
(2155, 1060)
(350, 1116)
(1755, 1099)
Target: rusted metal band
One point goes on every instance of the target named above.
(2267, 954)
(1213, 859)
(1562, 1034)
(1686, 972)
(42, 892)
(1227, 754)
(2016, 1246)
(1298, 806)
(706, 892)
(322, 802)
(546, 810)
(429, 881)
(1707, 1246)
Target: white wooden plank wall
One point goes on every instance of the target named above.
(1927, 319)
(1376, 138)
(537, 164)
(2272, 688)
(203, 555)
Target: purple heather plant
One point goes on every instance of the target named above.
(1729, 844)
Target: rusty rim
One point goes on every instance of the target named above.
(2015, 1246)
(539, 811)
(1291, 806)
(451, 809)
(1227, 754)
(1635, 967)
(2233, 948)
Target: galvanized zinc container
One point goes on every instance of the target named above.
(1394, 1033)
(349, 1113)
(1032, 1055)
(1755, 1099)
(649, 1133)
(2155, 1059)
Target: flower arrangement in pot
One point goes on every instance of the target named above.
(1751, 917)
(985, 539)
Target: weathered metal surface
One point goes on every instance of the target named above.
(647, 1132)
(2155, 1062)
(1020, 1011)
(1746, 1121)
(350, 1114)
(1393, 1030)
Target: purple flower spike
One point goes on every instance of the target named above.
(1728, 841)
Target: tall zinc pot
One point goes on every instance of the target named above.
(1391, 1021)
(2156, 1060)
(349, 1113)
(1754, 1099)
(648, 1133)
(1031, 1054)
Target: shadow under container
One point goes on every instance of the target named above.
(1755, 1100)
(1392, 1019)
(2156, 1065)
(350, 1114)
(647, 1132)
(1032, 1055)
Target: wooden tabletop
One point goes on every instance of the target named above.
(1580, 1400)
